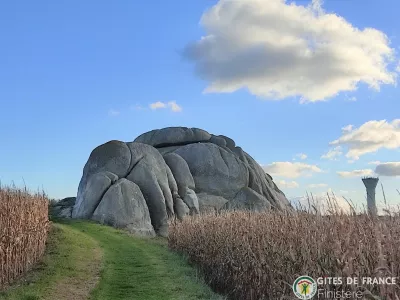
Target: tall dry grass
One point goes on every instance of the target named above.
(255, 256)
(23, 231)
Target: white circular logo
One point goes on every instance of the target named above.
(304, 287)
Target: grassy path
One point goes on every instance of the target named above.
(124, 267)
(69, 271)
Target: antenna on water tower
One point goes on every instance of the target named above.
(370, 184)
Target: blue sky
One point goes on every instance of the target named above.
(280, 79)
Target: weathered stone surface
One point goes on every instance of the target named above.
(168, 173)
(172, 136)
(113, 156)
(217, 140)
(262, 184)
(241, 154)
(173, 186)
(190, 199)
(181, 171)
(166, 150)
(181, 209)
(229, 142)
(248, 199)
(214, 170)
(150, 174)
(90, 194)
(123, 206)
(144, 166)
(209, 202)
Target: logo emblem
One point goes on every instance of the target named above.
(304, 287)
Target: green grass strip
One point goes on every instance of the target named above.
(85, 260)
(141, 268)
(69, 269)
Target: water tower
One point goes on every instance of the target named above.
(370, 184)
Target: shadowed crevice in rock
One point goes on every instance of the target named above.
(173, 136)
(175, 144)
(133, 165)
(230, 144)
(181, 172)
(100, 198)
(151, 176)
(169, 204)
(91, 194)
(223, 159)
(123, 206)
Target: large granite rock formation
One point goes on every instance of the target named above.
(171, 172)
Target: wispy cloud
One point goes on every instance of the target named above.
(370, 137)
(333, 154)
(355, 173)
(287, 184)
(172, 105)
(290, 169)
(157, 105)
(301, 156)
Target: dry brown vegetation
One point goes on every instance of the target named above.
(256, 256)
(23, 231)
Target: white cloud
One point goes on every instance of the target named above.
(174, 107)
(113, 112)
(158, 105)
(291, 170)
(333, 154)
(377, 162)
(388, 169)
(351, 161)
(277, 49)
(171, 105)
(317, 185)
(287, 184)
(301, 155)
(370, 137)
(355, 173)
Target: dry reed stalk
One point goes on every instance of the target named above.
(256, 256)
(23, 231)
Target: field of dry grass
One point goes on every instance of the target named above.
(250, 256)
(23, 231)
